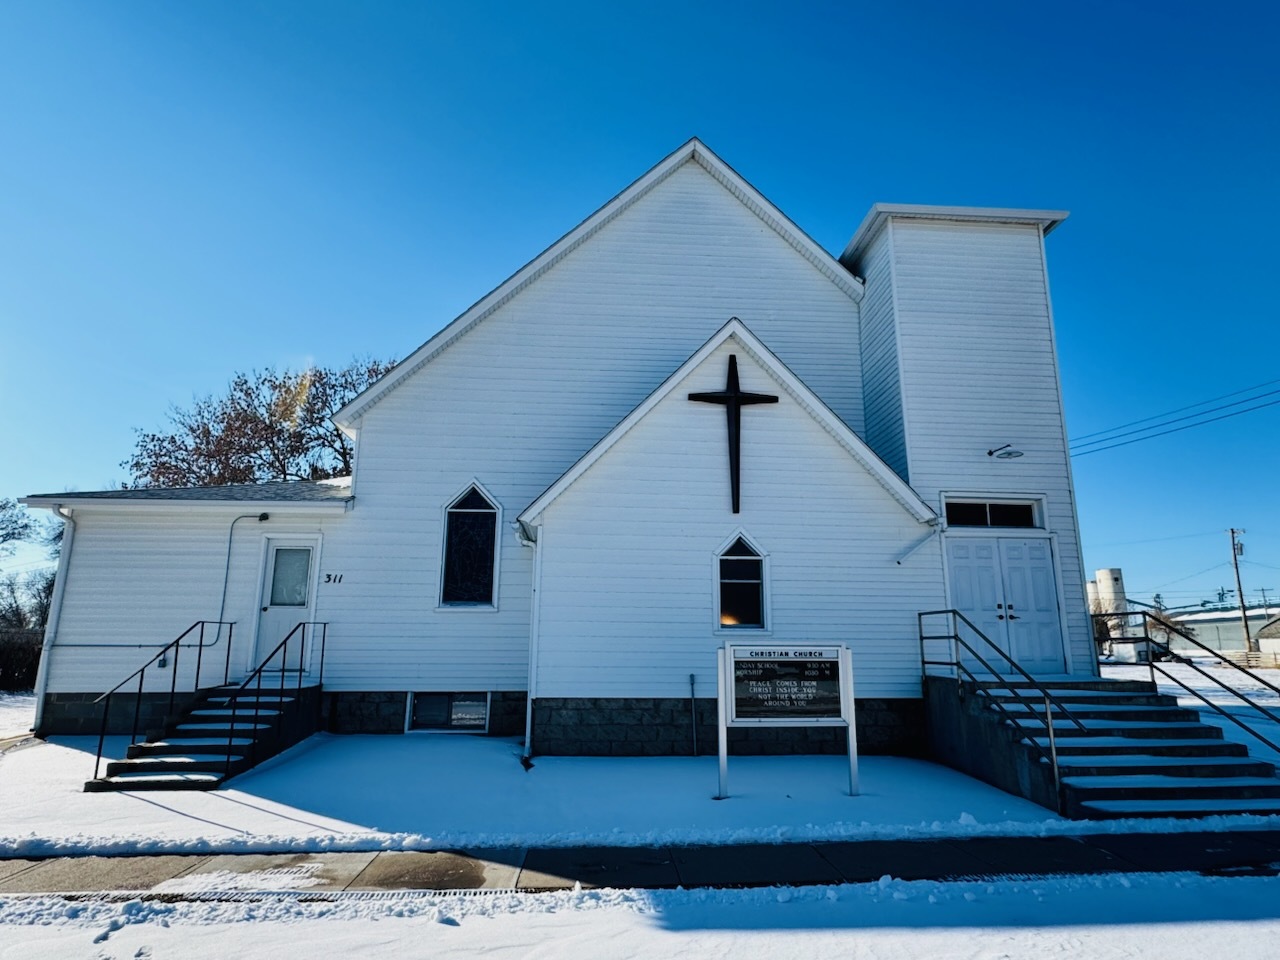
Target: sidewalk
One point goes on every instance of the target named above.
(1245, 853)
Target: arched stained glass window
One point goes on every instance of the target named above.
(741, 586)
(471, 536)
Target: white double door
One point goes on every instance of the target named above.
(1006, 586)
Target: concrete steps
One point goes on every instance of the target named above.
(1138, 765)
(1183, 808)
(1138, 754)
(153, 781)
(1154, 747)
(223, 733)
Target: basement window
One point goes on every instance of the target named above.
(971, 513)
(449, 711)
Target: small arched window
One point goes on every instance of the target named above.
(470, 540)
(741, 586)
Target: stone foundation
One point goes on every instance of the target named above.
(660, 727)
(506, 713)
(376, 711)
(76, 714)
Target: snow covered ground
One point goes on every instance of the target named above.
(452, 792)
(1164, 916)
(434, 792)
(17, 714)
(439, 792)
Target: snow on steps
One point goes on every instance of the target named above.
(1204, 746)
(154, 781)
(1139, 754)
(1180, 807)
(1126, 764)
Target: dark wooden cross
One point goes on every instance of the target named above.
(733, 399)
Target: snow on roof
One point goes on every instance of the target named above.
(1225, 614)
(334, 491)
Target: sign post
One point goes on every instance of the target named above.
(792, 685)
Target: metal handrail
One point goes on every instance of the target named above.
(1217, 654)
(1146, 636)
(281, 648)
(955, 635)
(176, 646)
(1027, 735)
(1049, 700)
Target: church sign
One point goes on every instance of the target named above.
(785, 684)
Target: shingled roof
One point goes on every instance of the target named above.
(337, 490)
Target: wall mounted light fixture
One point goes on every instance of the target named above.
(1005, 453)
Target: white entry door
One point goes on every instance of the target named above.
(286, 601)
(1007, 587)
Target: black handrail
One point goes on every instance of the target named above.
(957, 663)
(176, 646)
(1151, 641)
(1110, 618)
(282, 649)
(955, 635)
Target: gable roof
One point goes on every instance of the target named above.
(694, 151)
(737, 330)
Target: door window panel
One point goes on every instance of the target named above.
(290, 577)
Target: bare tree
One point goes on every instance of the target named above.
(25, 600)
(270, 425)
(15, 524)
(1163, 628)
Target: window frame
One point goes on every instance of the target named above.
(409, 728)
(765, 628)
(1037, 505)
(443, 605)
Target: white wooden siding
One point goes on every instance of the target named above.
(518, 399)
(979, 371)
(880, 374)
(141, 576)
(628, 589)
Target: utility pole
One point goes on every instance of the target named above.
(1237, 548)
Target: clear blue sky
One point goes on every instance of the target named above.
(191, 189)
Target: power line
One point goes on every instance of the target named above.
(1190, 416)
(1152, 436)
(1190, 575)
(1180, 536)
(1160, 416)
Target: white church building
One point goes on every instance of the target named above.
(682, 424)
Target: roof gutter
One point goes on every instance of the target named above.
(334, 504)
(55, 610)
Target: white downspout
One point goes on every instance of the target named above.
(55, 609)
(938, 527)
(534, 617)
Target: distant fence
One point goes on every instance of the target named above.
(19, 658)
